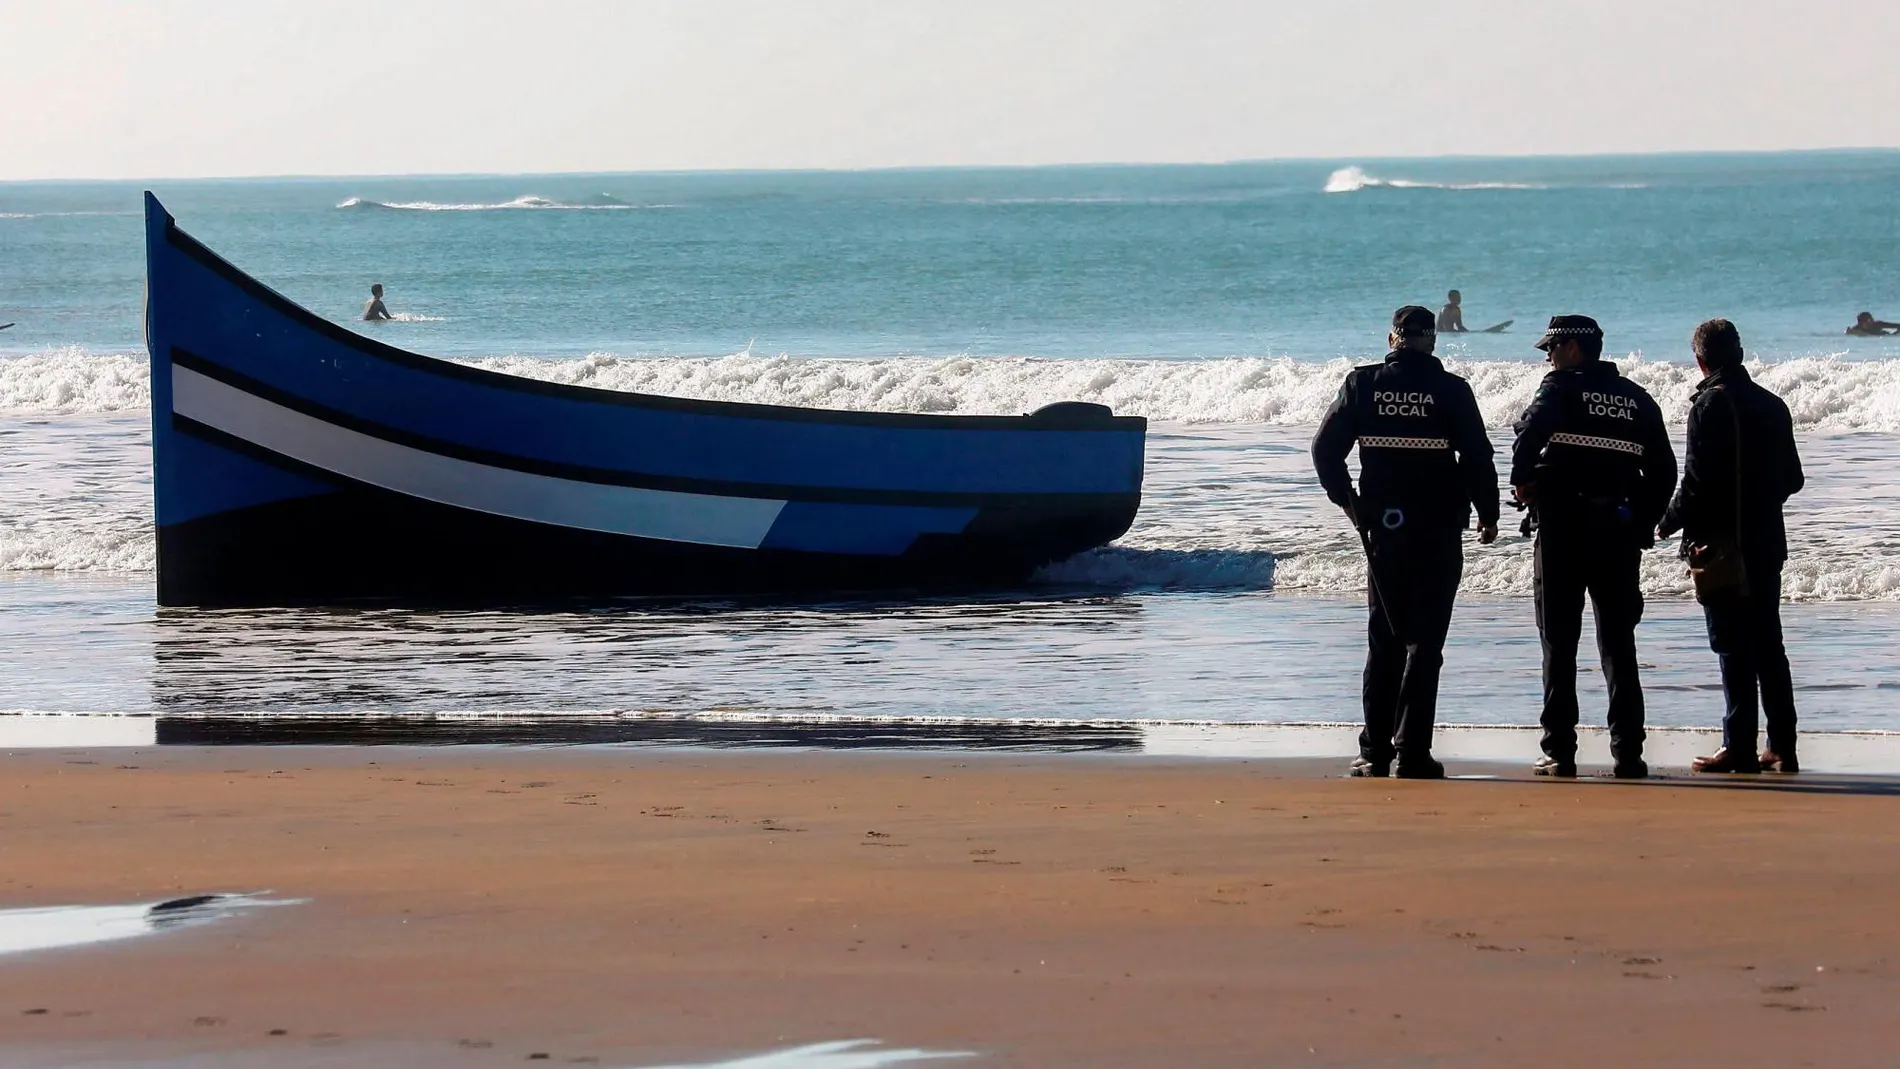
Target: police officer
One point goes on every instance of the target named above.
(1424, 464)
(1593, 464)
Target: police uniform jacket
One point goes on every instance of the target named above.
(1592, 440)
(1770, 468)
(1422, 445)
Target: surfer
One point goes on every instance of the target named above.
(1451, 318)
(374, 310)
(1424, 466)
(1866, 326)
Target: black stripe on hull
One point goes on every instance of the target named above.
(363, 544)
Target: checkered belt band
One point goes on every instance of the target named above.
(1375, 442)
(1617, 445)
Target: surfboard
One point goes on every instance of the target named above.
(1498, 328)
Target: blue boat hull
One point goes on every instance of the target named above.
(296, 461)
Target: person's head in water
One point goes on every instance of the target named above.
(1864, 320)
(1414, 328)
(1453, 298)
(1717, 345)
(376, 290)
(1571, 341)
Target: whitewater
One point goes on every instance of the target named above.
(1823, 393)
(525, 202)
(1230, 502)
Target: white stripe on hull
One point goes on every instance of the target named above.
(703, 519)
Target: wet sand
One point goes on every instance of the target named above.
(477, 907)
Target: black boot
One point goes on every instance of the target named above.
(1419, 766)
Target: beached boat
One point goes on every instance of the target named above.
(296, 461)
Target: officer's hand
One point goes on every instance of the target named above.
(1526, 494)
(1487, 533)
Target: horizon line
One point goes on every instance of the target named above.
(917, 168)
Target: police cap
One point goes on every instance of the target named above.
(1413, 321)
(1565, 327)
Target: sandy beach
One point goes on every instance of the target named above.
(632, 908)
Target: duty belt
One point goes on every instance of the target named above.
(1592, 442)
(1376, 442)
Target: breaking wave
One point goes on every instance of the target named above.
(1230, 503)
(1354, 179)
(1825, 393)
(74, 380)
(530, 202)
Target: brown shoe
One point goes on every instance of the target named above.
(1774, 762)
(1727, 760)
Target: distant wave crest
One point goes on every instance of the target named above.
(527, 202)
(59, 215)
(1825, 393)
(1354, 179)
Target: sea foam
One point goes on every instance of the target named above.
(74, 380)
(1824, 393)
(1229, 504)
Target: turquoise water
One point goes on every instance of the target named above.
(1242, 259)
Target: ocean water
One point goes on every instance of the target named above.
(1222, 302)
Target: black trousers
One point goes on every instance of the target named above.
(1573, 561)
(1413, 583)
(1746, 637)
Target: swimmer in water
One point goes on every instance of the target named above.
(1451, 319)
(1866, 326)
(374, 310)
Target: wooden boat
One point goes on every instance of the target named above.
(296, 461)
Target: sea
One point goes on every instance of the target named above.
(1222, 302)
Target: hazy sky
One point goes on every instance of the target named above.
(157, 88)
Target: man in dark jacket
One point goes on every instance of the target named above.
(1732, 412)
(1593, 463)
(1424, 464)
